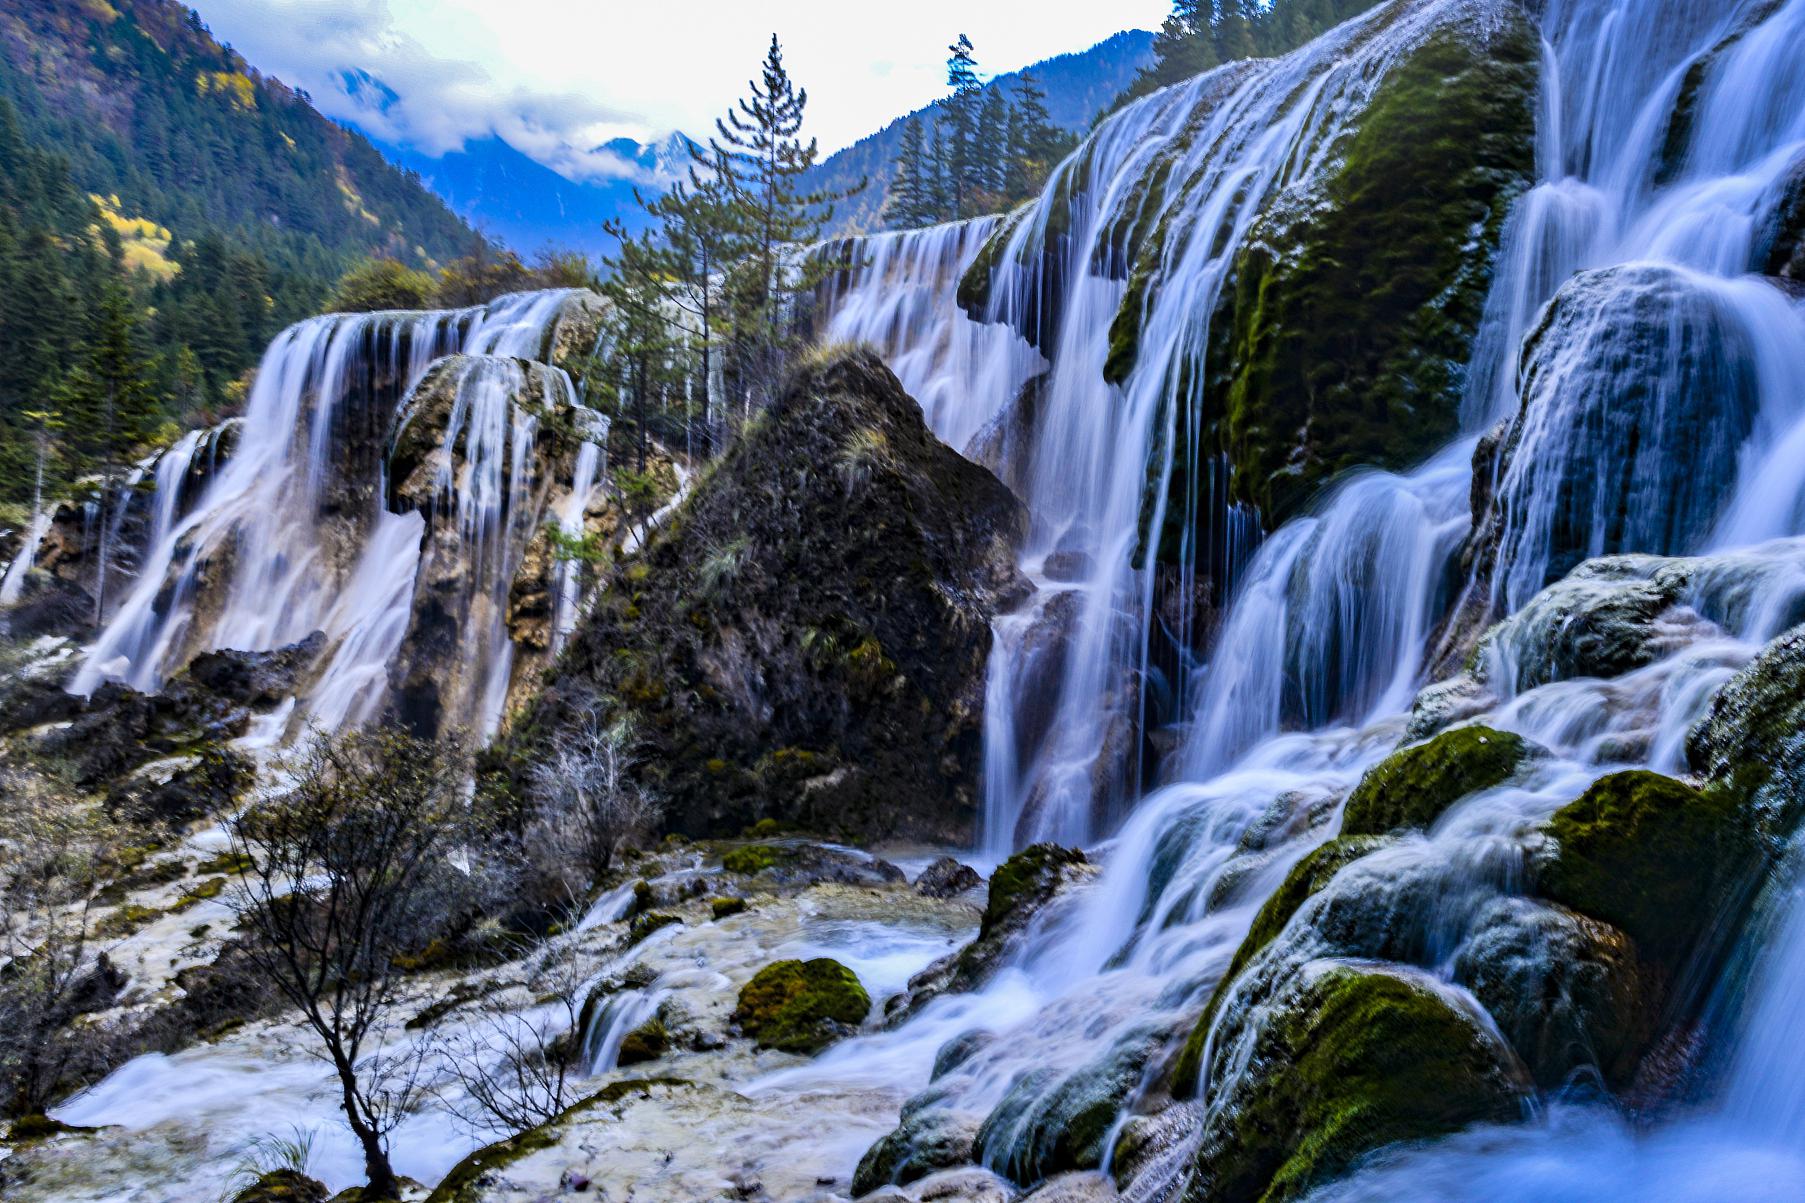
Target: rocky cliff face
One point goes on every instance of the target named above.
(806, 639)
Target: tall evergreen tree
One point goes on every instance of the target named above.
(760, 157)
(701, 233)
(1035, 143)
(911, 202)
(991, 147)
(641, 336)
(959, 129)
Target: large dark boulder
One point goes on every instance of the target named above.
(806, 639)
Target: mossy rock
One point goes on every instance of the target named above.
(1351, 1061)
(723, 908)
(201, 891)
(1306, 879)
(283, 1186)
(127, 919)
(753, 859)
(927, 1139)
(1353, 309)
(1025, 881)
(1050, 1123)
(1651, 856)
(866, 561)
(1570, 993)
(801, 1006)
(30, 1129)
(644, 925)
(1414, 786)
(647, 1042)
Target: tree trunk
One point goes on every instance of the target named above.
(379, 1175)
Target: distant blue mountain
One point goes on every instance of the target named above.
(518, 201)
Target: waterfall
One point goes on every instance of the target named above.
(1664, 412)
(294, 532)
(1203, 158)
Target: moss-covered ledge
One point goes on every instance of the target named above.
(1349, 320)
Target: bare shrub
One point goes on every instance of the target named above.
(589, 802)
(349, 870)
(510, 1069)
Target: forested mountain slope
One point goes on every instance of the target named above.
(1078, 86)
(165, 209)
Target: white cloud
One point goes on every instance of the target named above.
(559, 78)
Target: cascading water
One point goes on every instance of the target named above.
(295, 532)
(1667, 131)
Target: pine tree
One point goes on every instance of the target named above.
(959, 129)
(910, 201)
(108, 403)
(760, 157)
(641, 339)
(701, 234)
(992, 147)
(1035, 143)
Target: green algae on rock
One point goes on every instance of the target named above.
(1340, 341)
(1351, 1060)
(1306, 879)
(1415, 785)
(801, 1006)
(1651, 856)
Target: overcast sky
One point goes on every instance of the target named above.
(559, 77)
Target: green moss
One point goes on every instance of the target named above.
(1029, 876)
(974, 286)
(1305, 880)
(1413, 786)
(647, 1042)
(30, 1129)
(644, 925)
(724, 907)
(1358, 1060)
(753, 859)
(232, 864)
(801, 1006)
(466, 1181)
(125, 920)
(200, 892)
(1651, 856)
(1352, 312)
